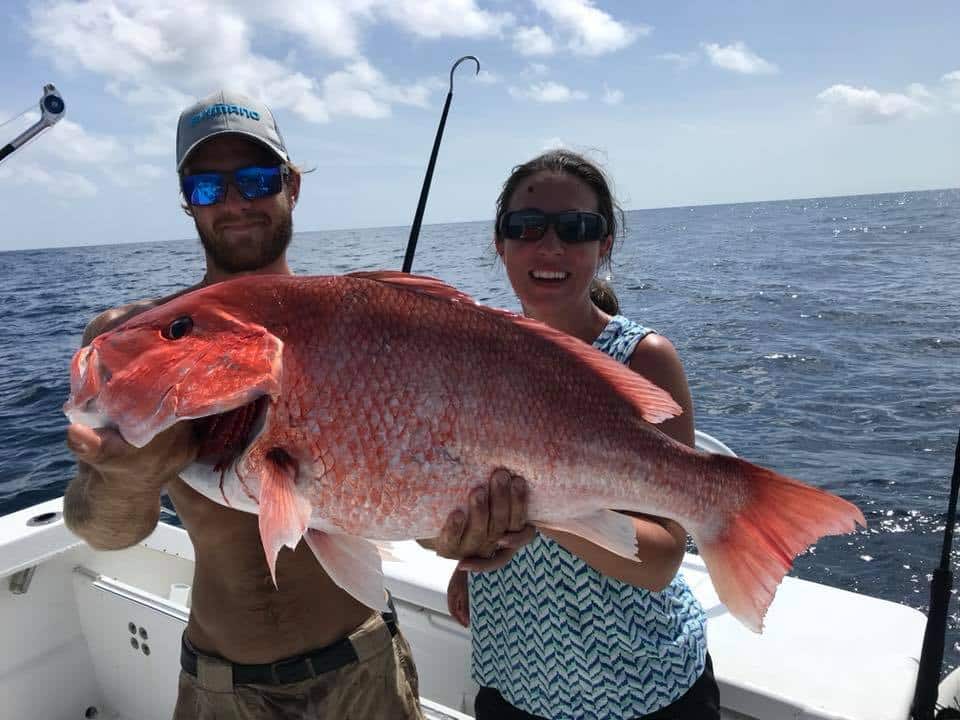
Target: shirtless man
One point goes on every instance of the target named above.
(306, 648)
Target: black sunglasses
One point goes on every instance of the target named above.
(571, 226)
(253, 182)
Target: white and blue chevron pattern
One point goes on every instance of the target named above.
(562, 641)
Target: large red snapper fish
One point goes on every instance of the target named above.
(366, 407)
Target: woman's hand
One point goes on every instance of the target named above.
(493, 529)
(458, 597)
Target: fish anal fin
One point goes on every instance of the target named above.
(353, 563)
(284, 511)
(608, 529)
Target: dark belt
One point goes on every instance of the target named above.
(293, 669)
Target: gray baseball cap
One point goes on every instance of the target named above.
(227, 112)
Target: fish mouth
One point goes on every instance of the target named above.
(226, 436)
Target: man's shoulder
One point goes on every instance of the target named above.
(109, 319)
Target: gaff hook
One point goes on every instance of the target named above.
(454, 68)
(425, 190)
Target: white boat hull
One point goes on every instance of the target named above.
(97, 634)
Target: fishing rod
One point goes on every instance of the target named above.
(931, 656)
(425, 190)
(52, 109)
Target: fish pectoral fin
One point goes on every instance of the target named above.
(386, 549)
(353, 563)
(284, 511)
(610, 530)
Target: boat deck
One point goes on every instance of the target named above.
(96, 634)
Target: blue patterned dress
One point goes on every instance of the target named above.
(559, 640)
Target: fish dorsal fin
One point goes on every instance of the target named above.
(418, 283)
(652, 402)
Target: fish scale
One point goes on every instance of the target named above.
(390, 397)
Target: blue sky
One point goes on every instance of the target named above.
(683, 102)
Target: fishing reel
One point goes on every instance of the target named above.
(52, 108)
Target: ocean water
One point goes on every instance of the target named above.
(821, 338)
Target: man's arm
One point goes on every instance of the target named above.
(114, 500)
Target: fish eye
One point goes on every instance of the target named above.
(179, 328)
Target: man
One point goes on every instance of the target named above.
(304, 648)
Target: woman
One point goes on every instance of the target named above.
(568, 629)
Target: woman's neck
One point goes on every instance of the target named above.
(585, 321)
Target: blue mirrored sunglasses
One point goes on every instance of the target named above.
(253, 182)
(573, 226)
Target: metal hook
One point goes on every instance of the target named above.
(418, 216)
(465, 57)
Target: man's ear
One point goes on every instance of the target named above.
(293, 181)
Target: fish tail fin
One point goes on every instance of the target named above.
(751, 550)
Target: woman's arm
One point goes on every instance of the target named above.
(660, 542)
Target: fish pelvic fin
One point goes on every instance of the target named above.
(748, 554)
(353, 563)
(607, 528)
(284, 511)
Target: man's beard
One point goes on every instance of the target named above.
(270, 251)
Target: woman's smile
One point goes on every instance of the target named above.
(550, 276)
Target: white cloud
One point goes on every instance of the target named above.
(361, 90)
(553, 143)
(159, 57)
(146, 52)
(591, 30)
(919, 91)
(331, 26)
(866, 105)
(547, 92)
(336, 27)
(485, 77)
(680, 60)
(151, 172)
(532, 41)
(738, 58)
(68, 141)
(952, 82)
(441, 18)
(612, 96)
(58, 182)
(535, 69)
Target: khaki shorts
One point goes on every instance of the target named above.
(379, 684)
